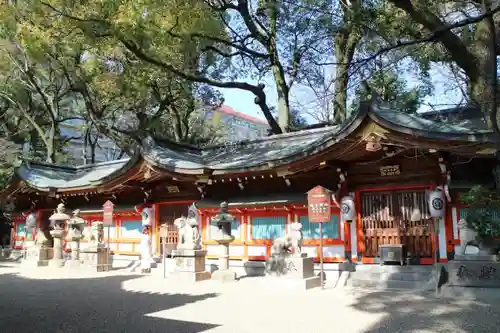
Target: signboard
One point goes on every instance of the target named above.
(390, 170)
(107, 213)
(319, 201)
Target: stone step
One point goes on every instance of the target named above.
(396, 276)
(470, 293)
(389, 285)
(394, 268)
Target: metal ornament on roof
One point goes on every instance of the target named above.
(230, 146)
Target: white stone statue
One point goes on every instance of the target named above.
(94, 234)
(146, 250)
(467, 236)
(291, 242)
(189, 233)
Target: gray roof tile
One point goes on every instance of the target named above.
(41, 175)
(270, 151)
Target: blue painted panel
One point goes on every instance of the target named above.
(235, 227)
(20, 231)
(311, 230)
(131, 229)
(268, 227)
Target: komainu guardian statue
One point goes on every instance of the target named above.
(291, 243)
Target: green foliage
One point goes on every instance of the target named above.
(483, 212)
(393, 89)
(64, 60)
(9, 157)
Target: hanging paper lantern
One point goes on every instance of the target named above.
(31, 218)
(436, 203)
(347, 209)
(147, 213)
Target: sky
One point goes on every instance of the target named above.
(443, 96)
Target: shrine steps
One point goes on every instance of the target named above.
(392, 277)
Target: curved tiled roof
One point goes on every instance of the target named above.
(43, 176)
(268, 152)
(275, 150)
(281, 149)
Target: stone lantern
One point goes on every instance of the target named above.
(75, 234)
(223, 237)
(58, 221)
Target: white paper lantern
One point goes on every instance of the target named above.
(347, 209)
(436, 203)
(31, 220)
(147, 215)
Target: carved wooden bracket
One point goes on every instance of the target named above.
(445, 176)
(341, 187)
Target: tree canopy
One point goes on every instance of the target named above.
(127, 69)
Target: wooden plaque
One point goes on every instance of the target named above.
(107, 213)
(319, 201)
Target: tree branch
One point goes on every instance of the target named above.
(434, 36)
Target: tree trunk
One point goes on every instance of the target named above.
(482, 88)
(283, 98)
(346, 41)
(476, 58)
(86, 140)
(340, 93)
(50, 147)
(92, 152)
(282, 89)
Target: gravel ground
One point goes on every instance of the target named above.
(63, 301)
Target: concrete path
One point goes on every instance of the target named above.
(44, 301)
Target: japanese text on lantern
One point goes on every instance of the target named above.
(318, 205)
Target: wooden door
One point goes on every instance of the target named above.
(168, 214)
(396, 217)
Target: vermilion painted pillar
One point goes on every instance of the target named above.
(347, 240)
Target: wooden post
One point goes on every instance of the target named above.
(347, 240)
(164, 259)
(321, 255)
(436, 261)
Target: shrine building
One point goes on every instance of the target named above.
(385, 160)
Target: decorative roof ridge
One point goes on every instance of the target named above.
(295, 134)
(29, 162)
(378, 107)
(102, 164)
(151, 140)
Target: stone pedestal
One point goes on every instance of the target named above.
(298, 271)
(191, 264)
(57, 260)
(474, 271)
(37, 256)
(97, 259)
(74, 261)
(5, 253)
(224, 273)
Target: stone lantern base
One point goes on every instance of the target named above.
(56, 263)
(296, 272)
(36, 256)
(97, 259)
(190, 264)
(224, 274)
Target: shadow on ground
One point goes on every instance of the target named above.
(425, 313)
(87, 305)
